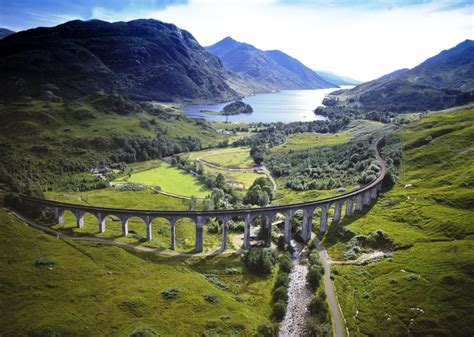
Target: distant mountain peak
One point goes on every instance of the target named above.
(5, 32)
(272, 69)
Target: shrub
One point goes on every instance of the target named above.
(260, 260)
(411, 277)
(314, 277)
(279, 309)
(280, 294)
(216, 282)
(44, 262)
(135, 307)
(285, 263)
(170, 293)
(267, 330)
(211, 298)
(282, 280)
(315, 328)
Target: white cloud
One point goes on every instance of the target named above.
(359, 42)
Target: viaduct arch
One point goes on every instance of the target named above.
(356, 199)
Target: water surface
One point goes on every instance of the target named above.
(283, 106)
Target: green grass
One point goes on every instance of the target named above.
(100, 290)
(430, 223)
(300, 141)
(170, 179)
(232, 157)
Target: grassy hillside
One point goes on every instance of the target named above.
(427, 286)
(55, 287)
(44, 144)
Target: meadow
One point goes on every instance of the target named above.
(169, 179)
(60, 287)
(232, 157)
(426, 287)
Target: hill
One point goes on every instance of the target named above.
(5, 32)
(336, 79)
(75, 288)
(441, 82)
(425, 287)
(272, 69)
(140, 59)
(46, 145)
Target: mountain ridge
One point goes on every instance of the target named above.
(336, 78)
(141, 59)
(442, 81)
(272, 69)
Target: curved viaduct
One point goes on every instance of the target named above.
(356, 199)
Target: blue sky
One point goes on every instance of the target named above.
(361, 39)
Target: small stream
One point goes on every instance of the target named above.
(299, 296)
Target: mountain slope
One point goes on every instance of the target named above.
(141, 59)
(5, 32)
(442, 81)
(272, 69)
(336, 79)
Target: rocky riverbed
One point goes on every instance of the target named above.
(299, 296)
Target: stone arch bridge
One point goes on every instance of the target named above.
(356, 199)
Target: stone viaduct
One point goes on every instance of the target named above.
(356, 199)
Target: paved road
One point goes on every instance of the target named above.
(333, 304)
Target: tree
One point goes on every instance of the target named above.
(220, 180)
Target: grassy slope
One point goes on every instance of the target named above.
(96, 290)
(431, 225)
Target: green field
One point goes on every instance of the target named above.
(300, 141)
(90, 289)
(170, 179)
(232, 157)
(427, 286)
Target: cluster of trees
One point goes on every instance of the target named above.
(280, 288)
(131, 149)
(320, 322)
(274, 134)
(260, 193)
(326, 167)
(260, 260)
(236, 108)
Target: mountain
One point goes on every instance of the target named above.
(140, 59)
(336, 79)
(394, 74)
(5, 32)
(440, 82)
(272, 69)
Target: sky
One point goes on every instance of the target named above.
(360, 39)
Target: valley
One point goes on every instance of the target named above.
(150, 186)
